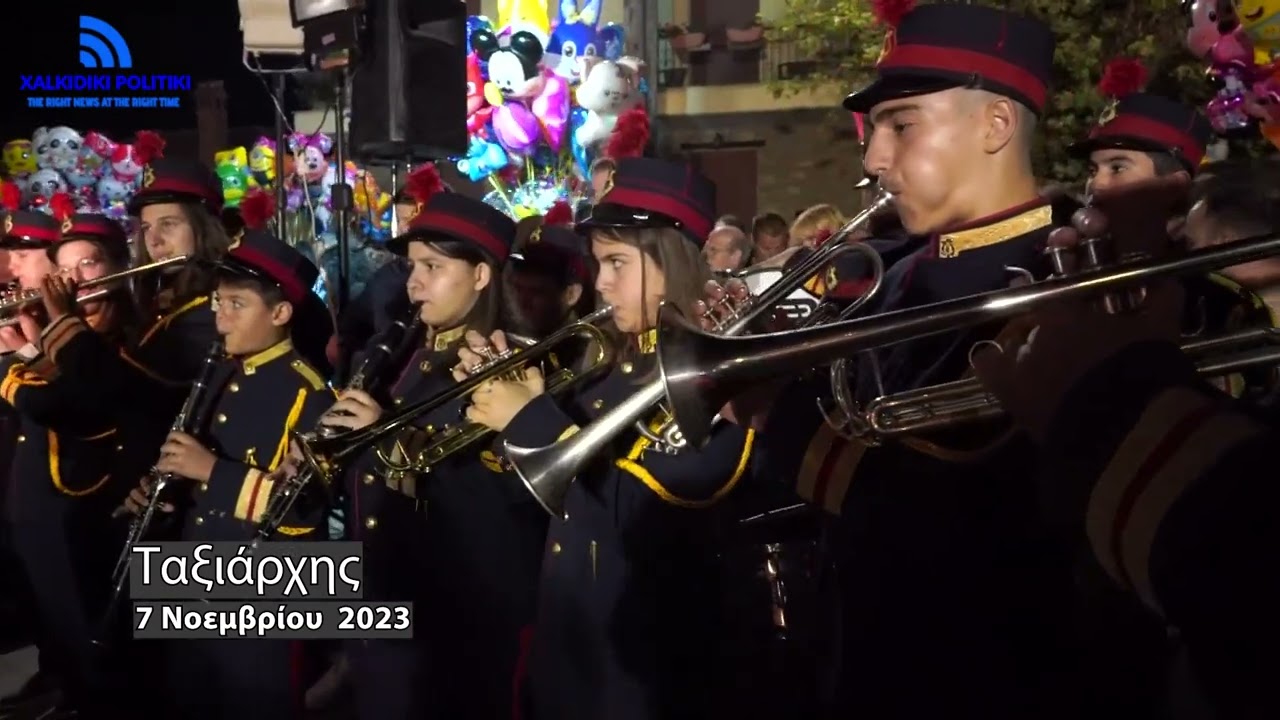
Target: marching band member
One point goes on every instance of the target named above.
(953, 599)
(177, 206)
(66, 456)
(264, 391)
(463, 541)
(546, 280)
(627, 615)
(1164, 481)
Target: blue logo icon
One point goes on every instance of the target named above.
(102, 46)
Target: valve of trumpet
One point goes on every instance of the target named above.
(1090, 221)
(737, 291)
(1093, 253)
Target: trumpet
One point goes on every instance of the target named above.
(323, 457)
(703, 371)
(390, 346)
(965, 401)
(15, 300)
(548, 471)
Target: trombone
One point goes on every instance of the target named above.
(548, 471)
(323, 457)
(703, 371)
(965, 401)
(14, 301)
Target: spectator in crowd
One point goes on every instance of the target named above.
(770, 235)
(732, 221)
(727, 249)
(815, 225)
(1236, 201)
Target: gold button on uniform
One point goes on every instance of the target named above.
(199, 520)
(204, 487)
(597, 404)
(234, 387)
(371, 523)
(368, 478)
(627, 367)
(221, 418)
(425, 366)
(555, 548)
(22, 438)
(398, 401)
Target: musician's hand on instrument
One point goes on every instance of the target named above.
(494, 404)
(12, 339)
(1068, 341)
(354, 410)
(59, 296)
(471, 355)
(136, 501)
(184, 456)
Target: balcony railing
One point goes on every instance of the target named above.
(717, 61)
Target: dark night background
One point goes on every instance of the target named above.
(197, 38)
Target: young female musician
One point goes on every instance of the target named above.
(65, 459)
(462, 541)
(627, 610)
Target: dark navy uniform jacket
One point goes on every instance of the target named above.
(146, 382)
(627, 610)
(1172, 487)
(462, 541)
(253, 407)
(953, 598)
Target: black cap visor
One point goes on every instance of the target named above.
(902, 84)
(21, 242)
(145, 198)
(613, 215)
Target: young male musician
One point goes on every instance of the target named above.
(461, 539)
(1165, 484)
(262, 392)
(954, 604)
(628, 620)
(64, 480)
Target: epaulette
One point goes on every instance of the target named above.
(310, 374)
(168, 319)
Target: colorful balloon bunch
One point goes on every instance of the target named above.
(543, 100)
(1240, 60)
(310, 174)
(59, 169)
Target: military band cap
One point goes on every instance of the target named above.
(28, 229)
(260, 254)
(652, 193)
(553, 245)
(940, 46)
(177, 181)
(91, 226)
(1150, 123)
(458, 217)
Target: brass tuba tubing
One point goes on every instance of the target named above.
(31, 298)
(323, 456)
(702, 371)
(548, 471)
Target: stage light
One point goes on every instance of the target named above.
(268, 28)
(305, 11)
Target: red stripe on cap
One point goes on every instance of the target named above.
(454, 225)
(955, 60)
(179, 185)
(695, 222)
(279, 272)
(1137, 126)
(35, 232)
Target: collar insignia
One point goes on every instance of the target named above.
(148, 176)
(1108, 113)
(235, 241)
(956, 243)
(67, 225)
(8, 224)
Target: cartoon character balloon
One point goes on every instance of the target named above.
(262, 161)
(529, 16)
(609, 90)
(232, 168)
(57, 148)
(1260, 19)
(43, 184)
(19, 159)
(574, 39)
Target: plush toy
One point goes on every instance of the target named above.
(608, 90)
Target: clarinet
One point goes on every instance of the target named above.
(141, 523)
(388, 348)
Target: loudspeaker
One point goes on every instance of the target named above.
(409, 87)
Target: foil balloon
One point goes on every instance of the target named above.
(551, 106)
(478, 109)
(262, 161)
(474, 23)
(19, 159)
(483, 159)
(515, 127)
(580, 152)
(525, 15)
(1206, 27)
(1231, 63)
(613, 41)
(1260, 20)
(232, 168)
